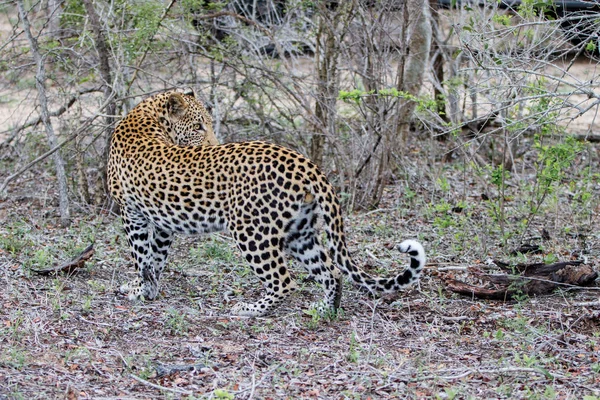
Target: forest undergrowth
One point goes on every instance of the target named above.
(72, 336)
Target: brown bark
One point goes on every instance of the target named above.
(534, 279)
(69, 266)
(330, 35)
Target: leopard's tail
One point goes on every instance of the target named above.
(341, 256)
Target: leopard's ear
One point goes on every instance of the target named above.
(176, 105)
(190, 92)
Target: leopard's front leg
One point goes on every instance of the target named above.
(149, 247)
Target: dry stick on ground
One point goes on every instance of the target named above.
(71, 265)
(40, 78)
(504, 370)
(535, 279)
(85, 125)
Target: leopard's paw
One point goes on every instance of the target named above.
(245, 310)
(323, 309)
(138, 290)
(131, 286)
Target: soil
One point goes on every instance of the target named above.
(73, 336)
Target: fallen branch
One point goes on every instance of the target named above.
(69, 266)
(532, 279)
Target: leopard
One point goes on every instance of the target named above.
(169, 175)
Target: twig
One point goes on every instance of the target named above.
(95, 323)
(374, 257)
(57, 113)
(452, 268)
(257, 384)
(586, 303)
(251, 395)
(149, 41)
(468, 372)
(236, 16)
(377, 211)
(501, 371)
(159, 387)
(458, 318)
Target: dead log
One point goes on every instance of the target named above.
(69, 266)
(530, 279)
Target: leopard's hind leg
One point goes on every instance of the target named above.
(302, 243)
(268, 263)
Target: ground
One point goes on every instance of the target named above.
(73, 336)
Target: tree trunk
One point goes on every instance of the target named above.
(332, 28)
(107, 89)
(437, 56)
(411, 69)
(418, 41)
(54, 11)
(40, 82)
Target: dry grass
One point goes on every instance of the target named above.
(74, 337)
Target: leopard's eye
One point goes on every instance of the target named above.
(198, 127)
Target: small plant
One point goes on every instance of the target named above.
(18, 358)
(97, 286)
(176, 321)
(526, 360)
(318, 312)
(499, 334)
(86, 306)
(519, 296)
(353, 350)
(443, 222)
(11, 244)
(553, 161)
(550, 258)
(16, 323)
(213, 251)
(41, 259)
(549, 392)
(15, 240)
(223, 394)
(444, 219)
(443, 184)
(450, 393)
(315, 317)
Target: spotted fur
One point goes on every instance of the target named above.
(267, 196)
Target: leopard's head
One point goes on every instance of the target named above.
(187, 121)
